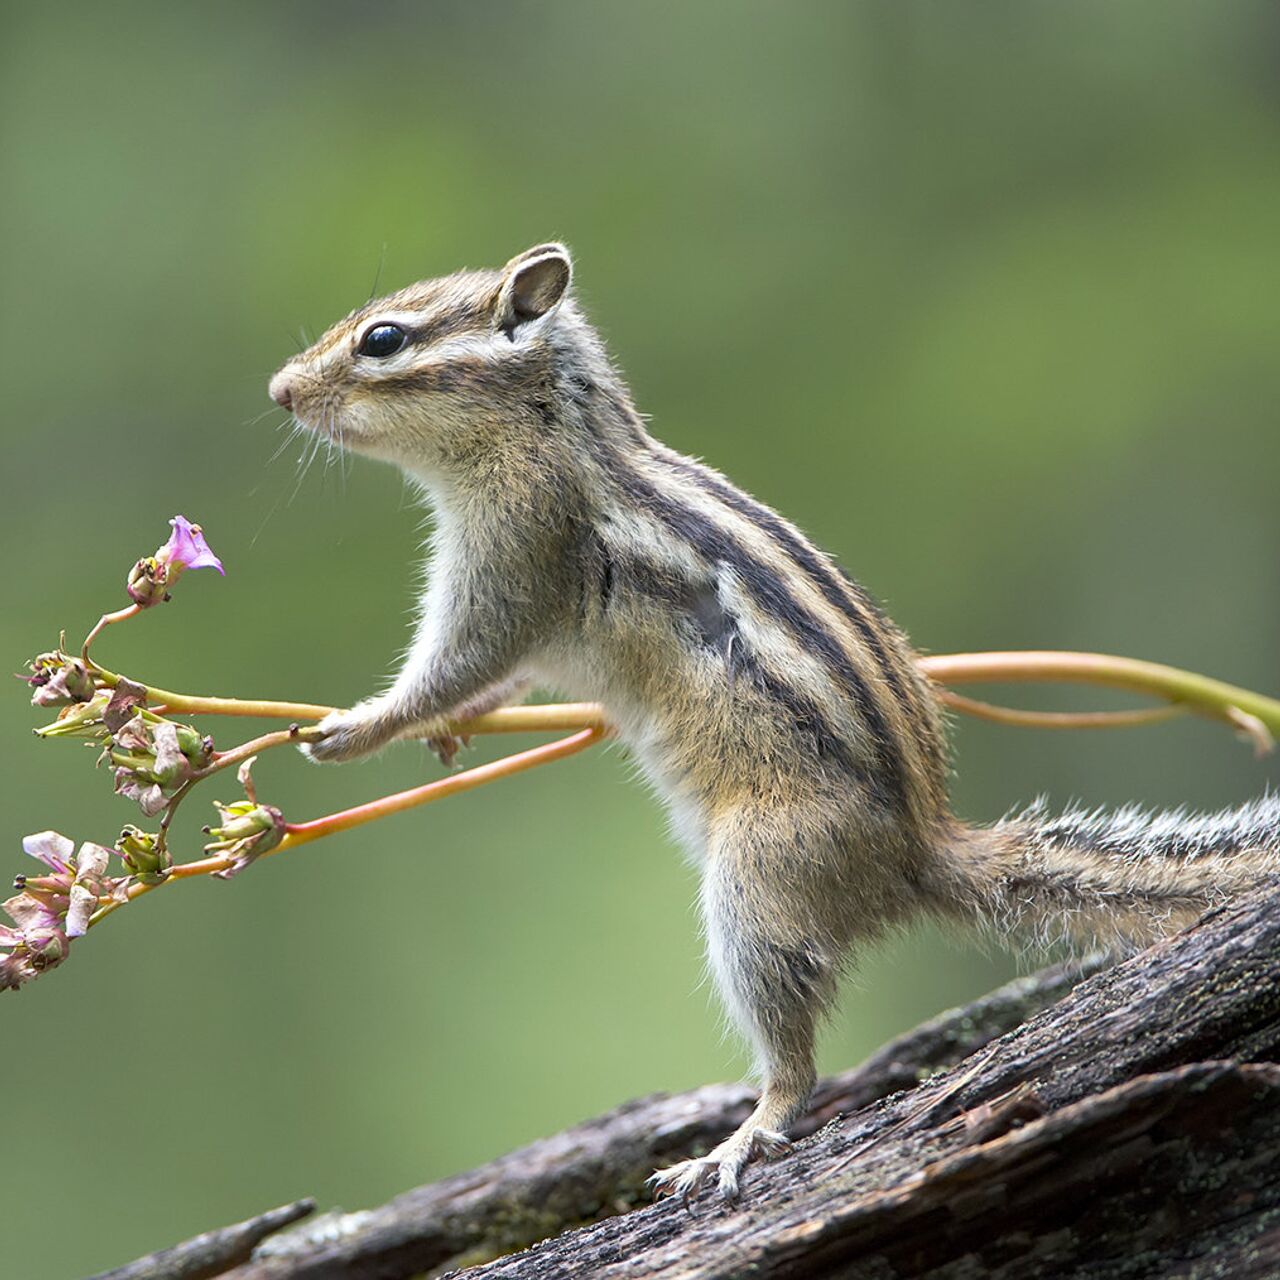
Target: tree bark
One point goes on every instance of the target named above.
(1127, 1126)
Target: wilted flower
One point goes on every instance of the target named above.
(248, 830)
(50, 910)
(57, 680)
(146, 795)
(53, 849)
(154, 757)
(86, 889)
(150, 579)
(126, 698)
(33, 952)
(72, 891)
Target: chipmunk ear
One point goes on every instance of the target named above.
(533, 282)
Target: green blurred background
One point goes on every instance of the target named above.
(983, 295)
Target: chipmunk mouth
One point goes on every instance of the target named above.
(334, 421)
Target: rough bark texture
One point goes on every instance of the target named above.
(1128, 1126)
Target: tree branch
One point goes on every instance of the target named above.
(210, 1254)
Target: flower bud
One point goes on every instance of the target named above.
(144, 855)
(80, 720)
(248, 831)
(147, 582)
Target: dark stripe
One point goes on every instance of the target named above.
(718, 631)
(544, 409)
(1068, 885)
(441, 377)
(464, 318)
(808, 719)
(1105, 839)
(606, 579)
(842, 592)
(773, 596)
(594, 575)
(800, 973)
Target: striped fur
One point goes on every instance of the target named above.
(776, 710)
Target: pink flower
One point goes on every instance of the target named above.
(33, 911)
(150, 579)
(187, 549)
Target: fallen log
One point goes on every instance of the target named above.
(1124, 1125)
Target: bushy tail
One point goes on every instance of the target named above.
(1122, 878)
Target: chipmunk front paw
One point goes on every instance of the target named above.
(347, 735)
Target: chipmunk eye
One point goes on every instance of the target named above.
(383, 340)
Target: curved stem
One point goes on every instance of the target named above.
(1058, 719)
(1253, 713)
(103, 623)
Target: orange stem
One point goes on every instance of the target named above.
(297, 833)
(304, 832)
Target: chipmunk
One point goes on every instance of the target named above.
(777, 711)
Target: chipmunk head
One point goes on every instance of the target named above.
(443, 368)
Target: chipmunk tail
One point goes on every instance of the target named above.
(1114, 879)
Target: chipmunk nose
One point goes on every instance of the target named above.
(281, 392)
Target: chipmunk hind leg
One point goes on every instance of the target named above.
(777, 976)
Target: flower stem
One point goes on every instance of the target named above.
(120, 615)
(1058, 719)
(304, 832)
(540, 718)
(195, 705)
(225, 759)
(297, 833)
(1252, 713)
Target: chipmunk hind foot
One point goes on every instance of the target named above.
(724, 1164)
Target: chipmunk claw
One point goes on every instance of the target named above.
(447, 746)
(723, 1164)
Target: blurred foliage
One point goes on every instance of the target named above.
(981, 294)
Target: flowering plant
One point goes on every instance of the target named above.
(157, 760)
